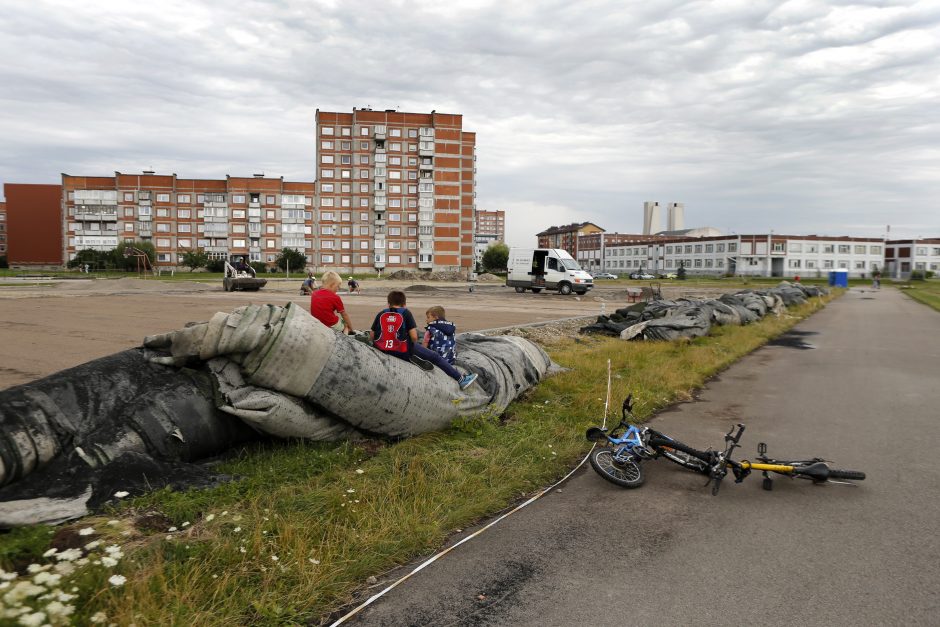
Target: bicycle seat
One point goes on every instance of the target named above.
(817, 472)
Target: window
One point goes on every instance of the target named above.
(345, 131)
(128, 226)
(326, 187)
(876, 250)
(129, 196)
(345, 174)
(182, 198)
(777, 247)
(394, 217)
(709, 248)
(698, 249)
(733, 247)
(163, 227)
(364, 160)
(394, 230)
(270, 200)
(326, 202)
(327, 243)
(668, 250)
(324, 258)
(394, 258)
(345, 145)
(720, 248)
(394, 245)
(326, 215)
(326, 159)
(346, 159)
(394, 132)
(364, 130)
(795, 247)
(698, 263)
(859, 265)
(326, 144)
(810, 264)
(364, 146)
(363, 174)
(921, 251)
(326, 174)
(843, 250)
(412, 132)
(184, 228)
(326, 130)
(860, 250)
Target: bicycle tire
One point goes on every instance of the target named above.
(626, 475)
(684, 459)
(835, 473)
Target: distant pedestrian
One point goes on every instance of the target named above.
(86, 268)
(353, 285)
(797, 278)
(876, 280)
(309, 284)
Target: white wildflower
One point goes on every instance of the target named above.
(87, 531)
(99, 617)
(92, 545)
(22, 590)
(4, 585)
(32, 569)
(313, 561)
(47, 579)
(65, 597)
(64, 568)
(126, 532)
(241, 549)
(114, 551)
(117, 580)
(350, 491)
(109, 562)
(236, 517)
(69, 555)
(81, 562)
(236, 529)
(215, 576)
(359, 471)
(33, 620)
(185, 524)
(225, 513)
(4, 575)
(58, 609)
(50, 552)
(210, 517)
(274, 558)
(121, 494)
(111, 523)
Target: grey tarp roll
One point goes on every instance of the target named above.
(135, 419)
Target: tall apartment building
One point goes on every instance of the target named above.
(3, 228)
(491, 224)
(254, 217)
(395, 191)
(489, 227)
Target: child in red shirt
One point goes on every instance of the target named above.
(327, 307)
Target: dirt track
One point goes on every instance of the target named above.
(46, 326)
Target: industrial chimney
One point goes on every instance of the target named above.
(652, 219)
(676, 216)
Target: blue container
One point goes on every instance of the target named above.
(839, 278)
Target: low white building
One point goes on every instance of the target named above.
(749, 255)
(904, 256)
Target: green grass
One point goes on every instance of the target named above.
(926, 292)
(331, 526)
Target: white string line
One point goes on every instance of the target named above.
(436, 557)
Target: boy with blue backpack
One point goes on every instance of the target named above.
(440, 334)
(394, 331)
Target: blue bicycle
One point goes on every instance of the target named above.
(620, 461)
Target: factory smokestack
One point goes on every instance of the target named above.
(652, 219)
(676, 216)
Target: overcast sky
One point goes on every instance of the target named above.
(803, 117)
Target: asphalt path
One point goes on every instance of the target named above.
(856, 383)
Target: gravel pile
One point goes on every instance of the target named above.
(548, 333)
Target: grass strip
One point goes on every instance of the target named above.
(926, 292)
(308, 523)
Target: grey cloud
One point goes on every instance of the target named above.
(803, 116)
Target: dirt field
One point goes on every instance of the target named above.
(46, 326)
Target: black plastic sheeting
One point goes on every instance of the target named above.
(690, 318)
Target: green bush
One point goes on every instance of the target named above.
(259, 266)
(132, 263)
(929, 274)
(215, 265)
(917, 275)
(496, 257)
(3, 262)
(291, 258)
(197, 258)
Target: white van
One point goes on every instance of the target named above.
(546, 268)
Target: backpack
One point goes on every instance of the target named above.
(391, 322)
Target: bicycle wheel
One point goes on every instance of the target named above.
(625, 474)
(835, 473)
(684, 459)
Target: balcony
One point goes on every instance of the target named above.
(379, 132)
(254, 204)
(425, 264)
(426, 166)
(425, 150)
(379, 222)
(379, 264)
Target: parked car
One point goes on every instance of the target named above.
(669, 275)
(606, 275)
(641, 275)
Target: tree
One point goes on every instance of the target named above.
(291, 258)
(197, 258)
(496, 257)
(680, 273)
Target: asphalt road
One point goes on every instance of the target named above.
(857, 383)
